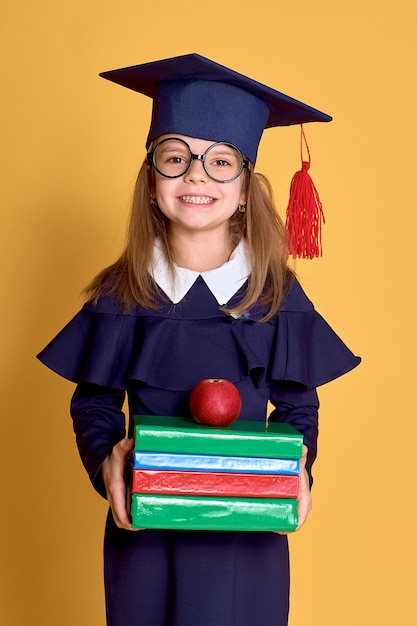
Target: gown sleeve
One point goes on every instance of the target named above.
(298, 406)
(99, 423)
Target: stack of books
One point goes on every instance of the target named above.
(239, 477)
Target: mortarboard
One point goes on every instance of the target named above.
(197, 97)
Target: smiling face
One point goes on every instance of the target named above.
(195, 202)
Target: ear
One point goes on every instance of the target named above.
(244, 191)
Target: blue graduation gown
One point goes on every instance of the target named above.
(191, 578)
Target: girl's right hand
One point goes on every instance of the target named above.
(113, 472)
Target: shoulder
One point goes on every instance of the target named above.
(106, 304)
(295, 299)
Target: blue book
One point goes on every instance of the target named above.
(214, 463)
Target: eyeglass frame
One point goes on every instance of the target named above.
(244, 163)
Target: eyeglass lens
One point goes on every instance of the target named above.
(173, 157)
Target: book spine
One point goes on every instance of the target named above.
(213, 463)
(214, 483)
(213, 513)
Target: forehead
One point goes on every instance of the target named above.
(198, 146)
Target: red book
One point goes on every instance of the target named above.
(214, 483)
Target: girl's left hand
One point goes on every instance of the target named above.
(304, 503)
(304, 494)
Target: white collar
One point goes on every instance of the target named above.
(223, 282)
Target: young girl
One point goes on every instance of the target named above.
(202, 290)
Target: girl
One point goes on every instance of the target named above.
(202, 290)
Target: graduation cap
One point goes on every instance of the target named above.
(197, 97)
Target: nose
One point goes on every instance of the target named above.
(196, 173)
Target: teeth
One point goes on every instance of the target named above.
(197, 199)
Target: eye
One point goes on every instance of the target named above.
(222, 157)
(221, 163)
(172, 158)
(176, 160)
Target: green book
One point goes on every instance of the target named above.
(241, 438)
(213, 513)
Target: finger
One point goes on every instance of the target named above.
(117, 500)
(120, 511)
(125, 446)
(304, 499)
(116, 486)
(302, 515)
(118, 506)
(303, 459)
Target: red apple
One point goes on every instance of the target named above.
(215, 402)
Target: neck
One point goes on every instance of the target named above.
(200, 251)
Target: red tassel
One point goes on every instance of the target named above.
(304, 212)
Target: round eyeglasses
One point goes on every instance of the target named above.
(172, 158)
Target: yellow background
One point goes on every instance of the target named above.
(71, 144)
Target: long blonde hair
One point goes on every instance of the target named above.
(128, 279)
